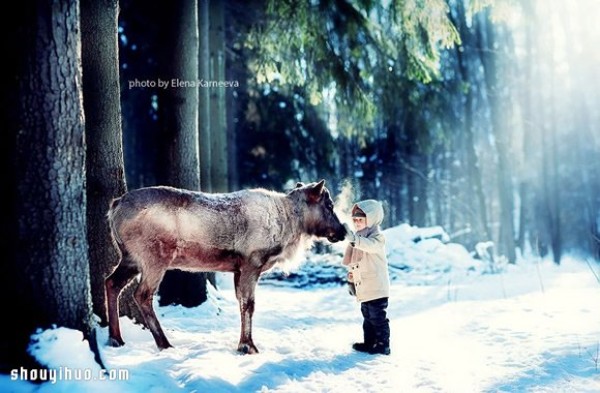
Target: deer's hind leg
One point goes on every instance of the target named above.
(125, 271)
(143, 297)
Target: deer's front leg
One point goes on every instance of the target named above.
(245, 286)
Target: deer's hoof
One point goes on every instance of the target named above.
(163, 347)
(115, 342)
(247, 349)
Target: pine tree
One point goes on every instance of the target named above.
(46, 273)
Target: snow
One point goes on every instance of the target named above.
(458, 324)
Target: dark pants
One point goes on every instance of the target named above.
(376, 326)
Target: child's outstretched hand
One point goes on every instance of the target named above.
(350, 236)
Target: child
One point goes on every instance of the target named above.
(367, 263)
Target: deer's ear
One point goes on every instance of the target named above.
(315, 192)
(319, 187)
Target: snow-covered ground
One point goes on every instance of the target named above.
(458, 325)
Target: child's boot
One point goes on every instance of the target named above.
(380, 348)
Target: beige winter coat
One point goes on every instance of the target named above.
(365, 258)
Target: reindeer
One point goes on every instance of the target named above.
(245, 232)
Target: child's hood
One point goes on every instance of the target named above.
(374, 211)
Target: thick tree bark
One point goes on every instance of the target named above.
(105, 177)
(46, 278)
(178, 103)
(179, 116)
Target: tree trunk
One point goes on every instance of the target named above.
(506, 243)
(104, 155)
(550, 173)
(204, 112)
(530, 155)
(419, 187)
(215, 128)
(179, 116)
(178, 103)
(581, 225)
(550, 179)
(46, 277)
(476, 179)
(464, 58)
(218, 119)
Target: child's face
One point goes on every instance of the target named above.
(359, 223)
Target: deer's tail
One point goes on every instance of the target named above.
(112, 215)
